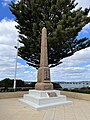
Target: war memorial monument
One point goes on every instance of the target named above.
(44, 96)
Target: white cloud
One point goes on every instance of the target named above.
(26, 72)
(73, 68)
(8, 39)
(86, 29)
(6, 2)
(17, 1)
(84, 4)
(8, 33)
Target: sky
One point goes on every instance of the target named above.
(73, 68)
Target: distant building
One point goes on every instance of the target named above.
(72, 85)
(27, 82)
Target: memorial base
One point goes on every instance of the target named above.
(44, 86)
(39, 99)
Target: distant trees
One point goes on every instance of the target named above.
(9, 83)
(56, 85)
(6, 83)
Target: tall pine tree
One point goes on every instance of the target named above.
(63, 23)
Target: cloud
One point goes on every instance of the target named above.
(17, 1)
(84, 4)
(73, 68)
(26, 72)
(8, 39)
(86, 29)
(8, 33)
(5, 2)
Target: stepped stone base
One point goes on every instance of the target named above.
(44, 99)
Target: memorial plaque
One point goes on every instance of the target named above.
(46, 74)
(52, 94)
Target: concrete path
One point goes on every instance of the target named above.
(12, 109)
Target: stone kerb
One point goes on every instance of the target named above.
(6, 95)
(80, 96)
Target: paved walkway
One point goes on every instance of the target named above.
(12, 109)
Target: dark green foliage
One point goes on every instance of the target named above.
(6, 83)
(19, 83)
(9, 83)
(56, 85)
(63, 24)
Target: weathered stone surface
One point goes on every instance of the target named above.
(44, 86)
(44, 51)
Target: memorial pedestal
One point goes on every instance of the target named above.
(39, 99)
(43, 86)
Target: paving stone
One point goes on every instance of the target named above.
(12, 109)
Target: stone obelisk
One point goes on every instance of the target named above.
(44, 82)
(44, 96)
